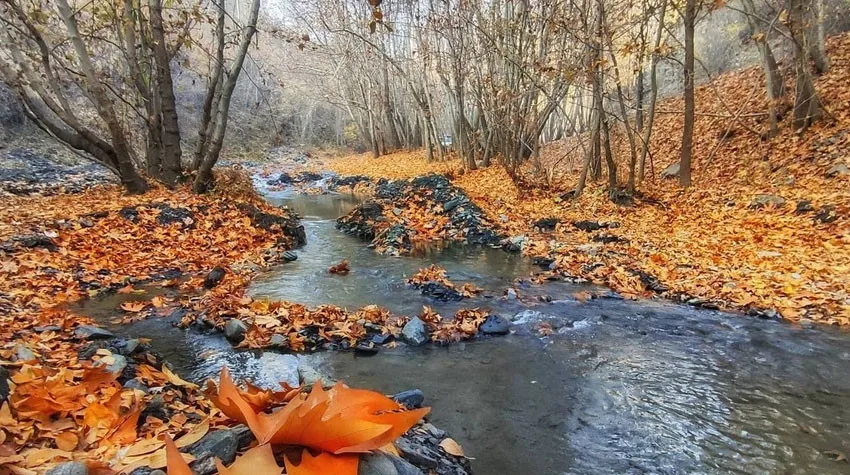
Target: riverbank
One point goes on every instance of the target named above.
(75, 394)
(765, 229)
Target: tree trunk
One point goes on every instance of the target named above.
(204, 177)
(172, 153)
(773, 81)
(806, 102)
(688, 127)
(653, 93)
(213, 89)
(130, 177)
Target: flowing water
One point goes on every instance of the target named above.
(621, 387)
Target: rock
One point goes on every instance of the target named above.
(23, 353)
(452, 204)
(69, 468)
(804, 206)
(589, 249)
(826, 214)
(235, 329)
(170, 215)
(117, 366)
(366, 348)
(4, 384)
(839, 169)
(515, 243)
(381, 338)
(511, 294)
(763, 201)
(528, 316)
(284, 367)
(289, 256)
(411, 399)
(609, 239)
(90, 332)
(672, 171)
(129, 347)
(86, 223)
(433, 431)
(47, 328)
(419, 455)
(219, 443)
(309, 374)
(440, 292)
(414, 332)
(546, 224)
(397, 211)
(214, 277)
(137, 384)
(382, 463)
(157, 472)
(279, 341)
(495, 325)
(588, 226)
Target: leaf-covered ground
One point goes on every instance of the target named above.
(707, 245)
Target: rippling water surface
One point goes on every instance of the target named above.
(621, 388)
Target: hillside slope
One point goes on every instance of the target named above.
(712, 244)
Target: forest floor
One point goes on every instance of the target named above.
(75, 394)
(765, 228)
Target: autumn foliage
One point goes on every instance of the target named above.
(706, 245)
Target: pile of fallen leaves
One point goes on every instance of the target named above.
(425, 209)
(295, 327)
(404, 165)
(764, 229)
(433, 280)
(66, 399)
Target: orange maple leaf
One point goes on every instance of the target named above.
(342, 420)
(257, 461)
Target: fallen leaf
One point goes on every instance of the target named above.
(257, 461)
(451, 447)
(322, 464)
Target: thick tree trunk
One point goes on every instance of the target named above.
(172, 153)
(688, 126)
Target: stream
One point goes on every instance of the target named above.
(622, 387)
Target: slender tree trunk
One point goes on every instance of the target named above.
(688, 127)
(816, 37)
(130, 177)
(213, 88)
(807, 108)
(204, 177)
(773, 80)
(653, 92)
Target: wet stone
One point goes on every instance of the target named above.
(440, 292)
(415, 332)
(381, 338)
(235, 329)
(89, 332)
(69, 468)
(136, 384)
(366, 349)
(214, 277)
(381, 463)
(495, 325)
(411, 399)
(289, 256)
(220, 443)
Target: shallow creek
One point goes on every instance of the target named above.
(621, 387)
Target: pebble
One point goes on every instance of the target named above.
(381, 463)
(495, 325)
(511, 294)
(23, 353)
(90, 332)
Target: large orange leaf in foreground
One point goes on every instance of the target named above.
(342, 420)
